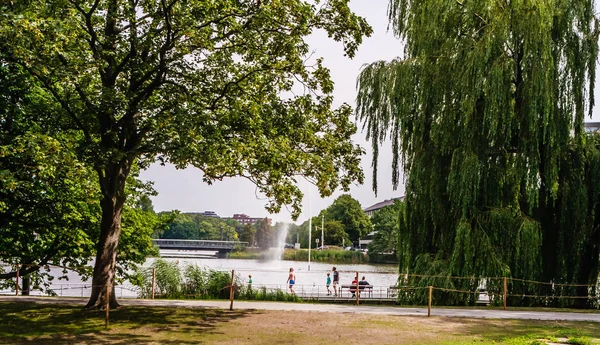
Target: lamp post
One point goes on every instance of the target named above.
(322, 231)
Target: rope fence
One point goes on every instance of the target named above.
(483, 290)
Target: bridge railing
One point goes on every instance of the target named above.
(166, 243)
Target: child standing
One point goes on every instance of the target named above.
(250, 281)
(328, 283)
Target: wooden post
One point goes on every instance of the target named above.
(153, 280)
(107, 305)
(17, 282)
(357, 290)
(504, 293)
(231, 290)
(429, 304)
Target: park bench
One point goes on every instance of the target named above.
(392, 291)
(361, 288)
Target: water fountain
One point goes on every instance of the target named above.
(276, 254)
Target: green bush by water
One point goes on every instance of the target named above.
(196, 282)
(329, 256)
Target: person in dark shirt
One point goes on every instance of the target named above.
(362, 284)
(336, 280)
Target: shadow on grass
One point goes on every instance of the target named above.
(526, 330)
(32, 323)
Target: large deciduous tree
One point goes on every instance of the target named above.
(189, 82)
(485, 110)
(348, 211)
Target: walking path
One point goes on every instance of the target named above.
(321, 307)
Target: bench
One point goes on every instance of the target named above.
(361, 288)
(392, 291)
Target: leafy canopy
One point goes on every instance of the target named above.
(194, 83)
(485, 111)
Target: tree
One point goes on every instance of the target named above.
(265, 234)
(348, 211)
(386, 223)
(334, 234)
(196, 226)
(47, 207)
(190, 83)
(485, 112)
(248, 234)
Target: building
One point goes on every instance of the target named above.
(211, 214)
(378, 206)
(245, 219)
(591, 127)
(364, 242)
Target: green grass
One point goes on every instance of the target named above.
(327, 256)
(31, 323)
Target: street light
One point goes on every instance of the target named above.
(322, 230)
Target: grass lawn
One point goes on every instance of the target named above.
(30, 323)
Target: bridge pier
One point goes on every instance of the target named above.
(222, 254)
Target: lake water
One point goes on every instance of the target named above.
(271, 274)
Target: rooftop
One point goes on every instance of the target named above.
(383, 204)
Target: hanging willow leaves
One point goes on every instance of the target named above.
(485, 110)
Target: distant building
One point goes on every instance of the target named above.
(591, 127)
(245, 219)
(364, 242)
(212, 214)
(378, 206)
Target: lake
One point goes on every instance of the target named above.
(271, 274)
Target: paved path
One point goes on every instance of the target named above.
(335, 308)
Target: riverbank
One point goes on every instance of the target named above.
(322, 256)
(210, 322)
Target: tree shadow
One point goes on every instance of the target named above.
(32, 323)
(499, 330)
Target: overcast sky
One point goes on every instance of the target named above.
(184, 190)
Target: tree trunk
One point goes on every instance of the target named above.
(112, 184)
(26, 287)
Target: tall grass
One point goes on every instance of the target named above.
(329, 256)
(196, 282)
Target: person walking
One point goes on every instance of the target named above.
(336, 281)
(328, 283)
(250, 282)
(291, 280)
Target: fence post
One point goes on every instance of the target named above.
(231, 290)
(357, 290)
(429, 304)
(17, 282)
(107, 305)
(153, 280)
(504, 293)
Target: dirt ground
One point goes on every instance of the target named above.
(30, 323)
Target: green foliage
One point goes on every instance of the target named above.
(48, 205)
(485, 112)
(265, 234)
(195, 226)
(190, 83)
(207, 283)
(385, 225)
(348, 211)
(329, 256)
(248, 234)
(263, 294)
(199, 283)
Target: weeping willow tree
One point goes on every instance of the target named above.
(485, 111)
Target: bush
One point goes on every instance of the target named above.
(198, 282)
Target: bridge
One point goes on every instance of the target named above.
(221, 247)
